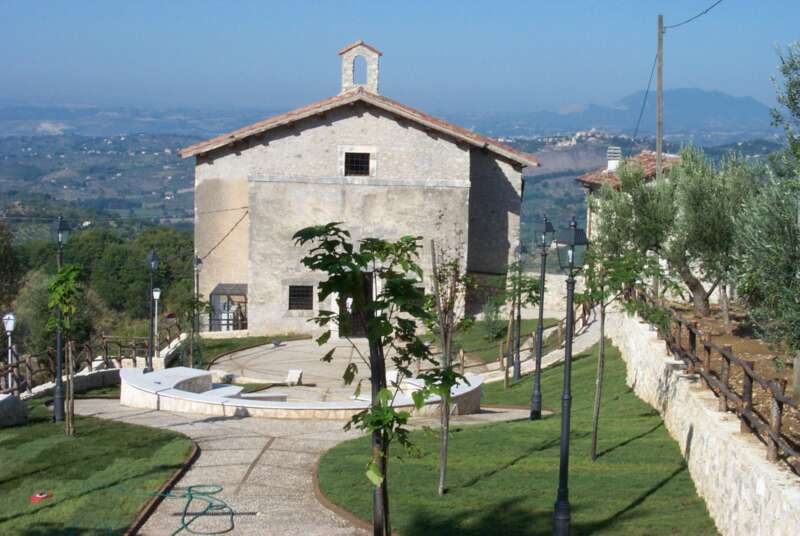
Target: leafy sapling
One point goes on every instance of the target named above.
(378, 282)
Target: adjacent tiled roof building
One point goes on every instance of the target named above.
(608, 175)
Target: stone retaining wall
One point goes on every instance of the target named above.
(84, 381)
(745, 494)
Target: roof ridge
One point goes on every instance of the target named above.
(380, 101)
(360, 42)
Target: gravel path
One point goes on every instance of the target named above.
(265, 466)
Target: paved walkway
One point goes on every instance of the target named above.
(265, 466)
(270, 364)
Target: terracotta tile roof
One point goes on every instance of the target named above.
(360, 42)
(646, 160)
(362, 95)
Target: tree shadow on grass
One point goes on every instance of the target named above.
(631, 439)
(552, 443)
(56, 529)
(511, 518)
(608, 522)
(108, 487)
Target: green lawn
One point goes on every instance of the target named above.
(519, 394)
(100, 478)
(474, 342)
(213, 348)
(502, 478)
(107, 391)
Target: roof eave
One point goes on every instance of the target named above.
(358, 95)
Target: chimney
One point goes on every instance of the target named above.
(614, 155)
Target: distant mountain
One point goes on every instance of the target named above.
(689, 114)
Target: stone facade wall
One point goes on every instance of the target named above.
(220, 186)
(746, 495)
(420, 183)
(494, 207)
(418, 186)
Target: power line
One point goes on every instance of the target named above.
(220, 210)
(644, 100)
(221, 240)
(690, 19)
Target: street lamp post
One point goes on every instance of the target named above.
(156, 296)
(572, 248)
(152, 261)
(518, 314)
(61, 231)
(544, 232)
(198, 264)
(9, 321)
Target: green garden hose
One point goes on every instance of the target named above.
(214, 506)
(193, 495)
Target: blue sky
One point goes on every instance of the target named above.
(438, 55)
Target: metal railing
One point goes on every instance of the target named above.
(33, 369)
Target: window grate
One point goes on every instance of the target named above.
(301, 297)
(356, 163)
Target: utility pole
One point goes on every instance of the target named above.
(659, 95)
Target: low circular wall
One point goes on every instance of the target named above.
(159, 390)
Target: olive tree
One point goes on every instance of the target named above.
(686, 218)
(768, 260)
(709, 202)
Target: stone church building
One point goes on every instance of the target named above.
(382, 168)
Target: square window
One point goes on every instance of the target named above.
(356, 163)
(301, 297)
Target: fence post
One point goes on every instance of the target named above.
(28, 372)
(692, 346)
(504, 365)
(776, 414)
(725, 378)
(461, 359)
(747, 397)
(707, 363)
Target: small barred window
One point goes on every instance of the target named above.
(356, 163)
(301, 297)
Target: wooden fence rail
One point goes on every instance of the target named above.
(581, 314)
(25, 370)
(697, 353)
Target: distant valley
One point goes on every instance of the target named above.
(123, 161)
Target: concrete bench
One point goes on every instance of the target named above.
(295, 377)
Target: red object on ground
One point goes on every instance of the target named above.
(40, 496)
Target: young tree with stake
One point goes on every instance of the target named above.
(390, 314)
(607, 273)
(450, 283)
(65, 294)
